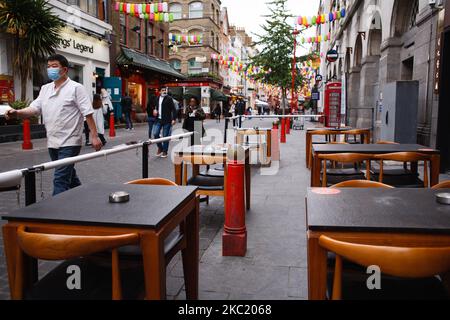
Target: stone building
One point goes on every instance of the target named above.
(202, 20)
(381, 42)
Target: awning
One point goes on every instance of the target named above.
(193, 92)
(132, 57)
(217, 95)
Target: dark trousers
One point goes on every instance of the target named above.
(65, 177)
(129, 123)
(102, 138)
(167, 131)
(86, 131)
(151, 122)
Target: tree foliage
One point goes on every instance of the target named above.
(277, 45)
(34, 31)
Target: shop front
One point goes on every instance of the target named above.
(142, 75)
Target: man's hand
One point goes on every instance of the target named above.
(97, 144)
(174, 122)
(155, 113)
(11, 114)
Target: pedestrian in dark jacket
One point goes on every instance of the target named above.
(127, 105)
(151, 118)
(194, 120)
(165, 113)
(218, 113)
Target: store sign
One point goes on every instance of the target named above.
(80, 44)
(6, 89)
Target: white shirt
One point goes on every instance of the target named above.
(63, 110)
(161, 99)
(99, 121)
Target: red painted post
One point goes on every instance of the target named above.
(112, 129)
(234, 238)
(288, 125)
(283, 131)
(26, 145)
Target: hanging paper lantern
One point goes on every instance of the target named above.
(331, 17)
(155, 7)
(318, 20)
(152, 8)
(299, 20)
(131, 9)
(117, 6)
(152, 17)
(343, 12)
(313, 20)
(319, 39)
(334, 16)
(171, 17)
(160, 7)
(140, 8)
(147, 9)
(166, 17)
(121, 7)
(165, 7)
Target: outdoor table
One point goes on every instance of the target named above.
(372, 149)
(310, 133)
(219, 151)
(241, 133)
(153, 212)
(386, 217)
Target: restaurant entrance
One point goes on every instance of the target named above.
(443, 132)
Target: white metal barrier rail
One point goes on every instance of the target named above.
(14, 177)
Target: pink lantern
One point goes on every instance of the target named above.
(117, 6)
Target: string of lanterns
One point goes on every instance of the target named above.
(185, 39)
(321, 18)
(317, 39)
(158, 12)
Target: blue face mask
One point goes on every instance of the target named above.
(53, 73)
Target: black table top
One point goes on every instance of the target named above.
(149, 206)
(372, 148)
(377, 210)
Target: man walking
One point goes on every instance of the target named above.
(151, 107)
(127, 105)
(166, 115)
(63, 104)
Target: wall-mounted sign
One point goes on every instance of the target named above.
(200, 59)
(332, 56)
(319, 78)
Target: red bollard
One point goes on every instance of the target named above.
(275, 125)
(234, 238)
(26, 145)
(283, 131)
(288, 125)
(112, 129)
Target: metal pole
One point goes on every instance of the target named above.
(30, 187)
(145, 160)
(227, 122)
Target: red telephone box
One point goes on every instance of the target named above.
(332, 109)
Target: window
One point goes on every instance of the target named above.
(196, 10)
(194, 67)
(176, 64)
(414, 12)
(123, 29)
(88, 6)
(160, 46)
(150, 38)
(176, 9)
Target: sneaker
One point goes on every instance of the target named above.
(159, 153)
(164, 155)
(88, 144)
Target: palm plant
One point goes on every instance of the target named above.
(35, 33)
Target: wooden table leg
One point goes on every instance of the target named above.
(190, 255)
(308, 149)
(435, 169)
(315, 171)
(178, 173)
(248, 178)
(317, 270)
(154, 266)
(11, 248)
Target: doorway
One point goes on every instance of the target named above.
(443, 133)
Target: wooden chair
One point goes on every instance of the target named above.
(340, 175)
(442, 185)
(55, 247)
(361, 184)
(386, 142)
(416, 266)
(153, 182)
(208, 185)
(327, 133)
(363, 133)
(405, 179)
